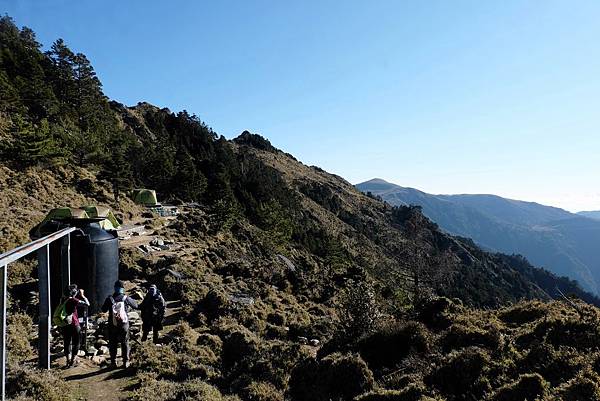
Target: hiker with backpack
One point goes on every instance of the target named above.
(153, 312)
(66, 318)
(118, 323)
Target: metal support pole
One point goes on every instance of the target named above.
(3, 295)
(65, 260)
(44, 324)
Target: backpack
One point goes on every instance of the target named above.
(60, 317)
(158, 310)
(119, 312)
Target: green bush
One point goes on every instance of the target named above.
(411, 393)
(41, 385)
(262, 391)
(179, 360)
(153, 389)
(357, 309)
(524, 312)
(390, 344)
(239, 345)
(526, 387)
(19, 331)
(400, 380)
(462, 374)
(572, 332)
(583, 387)
(277, 319)
(215, 303)
(334, 377)
(465, 335)
(163, 361)
(437, 313)
(555, 365)
(210, 340)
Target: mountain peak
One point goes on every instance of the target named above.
(375, 181)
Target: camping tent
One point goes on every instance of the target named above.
(58, 214)
(109, 223)
(146, 197)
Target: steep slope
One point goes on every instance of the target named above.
(547, 236)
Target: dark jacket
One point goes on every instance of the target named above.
(153, 307)
(107, 306)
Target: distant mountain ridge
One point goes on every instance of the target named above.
(561, 241)
(592, 214)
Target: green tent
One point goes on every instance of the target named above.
(146, 197)
(58, 214)
(109, 223)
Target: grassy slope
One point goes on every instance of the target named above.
(251, 350)
(28, 195)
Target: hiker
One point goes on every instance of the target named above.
(66, 317)
(153, 312)
(118, 323)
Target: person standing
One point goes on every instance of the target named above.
(67, 318)
(117, 306)
(153, 312)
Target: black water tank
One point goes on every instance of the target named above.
(94, 260)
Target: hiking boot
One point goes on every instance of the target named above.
(113, 364)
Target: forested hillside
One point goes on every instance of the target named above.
(547, 236)
(310, 256)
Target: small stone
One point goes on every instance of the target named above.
(92, 351)
(98, 360)
(157, 242)
(133, 315)
(314, 342)
(303, 340)
(81, 353)
(100, 343)
(103, 350)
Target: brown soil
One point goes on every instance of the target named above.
(97, 383)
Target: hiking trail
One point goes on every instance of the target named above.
(103, 383)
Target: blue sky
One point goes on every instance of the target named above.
(446, 96)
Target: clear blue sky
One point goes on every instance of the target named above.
(447, 96)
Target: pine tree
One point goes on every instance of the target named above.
(34, 144)
(117, 171)
(88, 92)
(62, 76)
(189, 182)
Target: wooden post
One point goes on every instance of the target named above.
(44, 323)
(3, 295)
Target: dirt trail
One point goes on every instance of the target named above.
(103, 383)
(97, 383)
